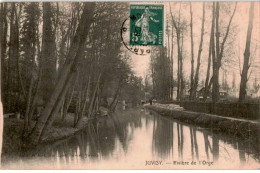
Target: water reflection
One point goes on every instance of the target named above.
(162, 137)
(136, 135)
(194, 144)
(101, 138)
(207, 145)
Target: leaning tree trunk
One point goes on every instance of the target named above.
(84, 104)
(93, 97)
(67, 72)
(67, 100)
(244, 78)
(73, 73)
(111, 106)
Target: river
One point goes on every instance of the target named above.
(136, 138)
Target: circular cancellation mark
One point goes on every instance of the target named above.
(125, 37)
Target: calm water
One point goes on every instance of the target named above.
(133, 138)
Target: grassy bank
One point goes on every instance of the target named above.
(240, 127)
(13, 129)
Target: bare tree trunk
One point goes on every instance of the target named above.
(38, 81)
(16, 54)
(3, 33)
(34, 99)
(30, 98)
(10, 72)
(78, 104)
(192, 55)
(48, 53)
(215, 89)
(172, 80)
(2, 50)
(67, 101)
(182, 84)
(244, 76)
(1, 126)
(196, 79)
(28, 105)
(171, 71)
(178, 73)
(179, 48)
(206, 89)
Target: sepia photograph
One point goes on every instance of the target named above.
(127, 85)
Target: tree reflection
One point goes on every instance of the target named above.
(99, 137)
(162, 136)
(242, 154)
(215, 141)
(180, 140)
(207, 144)
(194, 144)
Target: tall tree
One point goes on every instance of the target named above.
(192, 54)
(2, 47)
(180, 27)
(11, 62)
(244, 75)
(196, 77)
(48, 52)
(161, 70)
(28, 47)
(219, 52)
(211, 47)
(4, 28)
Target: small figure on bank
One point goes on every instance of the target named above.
(151, 101)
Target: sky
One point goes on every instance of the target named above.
(236, 39)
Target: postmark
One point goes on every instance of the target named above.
(136, 49)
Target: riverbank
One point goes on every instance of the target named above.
(13, 129)
(60, 132)
(234, 126)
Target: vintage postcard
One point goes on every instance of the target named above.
(129, 85)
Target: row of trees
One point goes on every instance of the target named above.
(221, 36)
(55, 55)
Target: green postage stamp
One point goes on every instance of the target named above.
(146, 25)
